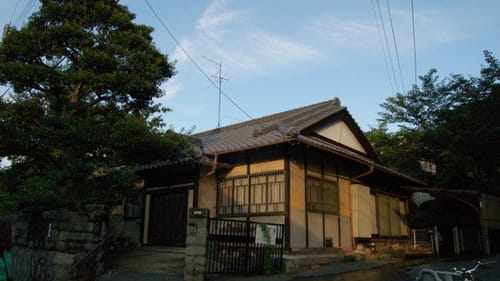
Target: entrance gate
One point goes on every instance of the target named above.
(244, 246)
(168, 218)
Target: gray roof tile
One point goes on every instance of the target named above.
(268, 130)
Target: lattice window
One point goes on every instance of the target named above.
(322, 195)
(257, 193)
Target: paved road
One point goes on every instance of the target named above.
(145, 264)
(393, 271)
(150, 264)
(490, 273)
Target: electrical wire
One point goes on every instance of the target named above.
(395, 45)
(5, 92)
(414, 42)
(382, 47)
(13, 12)
(207, 77)
(387, 44)
(25, 12)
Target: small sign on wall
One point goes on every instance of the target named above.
(266, 234)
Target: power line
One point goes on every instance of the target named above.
(414, 42)
(194, 62)
(13, 12)
(5, 92)
(387, 44)
(382, 47)
(25, 12)
(395, 45)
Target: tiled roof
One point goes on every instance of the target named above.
(277, 128)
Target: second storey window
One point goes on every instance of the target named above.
(257, 193)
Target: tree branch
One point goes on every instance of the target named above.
(75, 94)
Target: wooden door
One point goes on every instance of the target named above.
(168, 218)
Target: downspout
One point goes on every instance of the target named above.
(364, 173)
(214, 166)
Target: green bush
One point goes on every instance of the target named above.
(349, 258)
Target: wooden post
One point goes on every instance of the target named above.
(483, 225)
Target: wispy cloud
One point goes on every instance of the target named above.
(342, 34)
(170, 88)
(228, 35)
(216, 18)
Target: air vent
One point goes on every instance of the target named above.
(328, 242)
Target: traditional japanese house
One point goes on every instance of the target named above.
(309, 168)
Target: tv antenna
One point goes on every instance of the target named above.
(219, 78)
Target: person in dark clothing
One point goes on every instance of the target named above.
(6, 241)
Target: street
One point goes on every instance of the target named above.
(488, 273)
(396, 272)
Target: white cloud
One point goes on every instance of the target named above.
(179, 56)
(343, 33)
(275, 50)
(227, 35)
(340, 34)
(170, 88)
(216, 18)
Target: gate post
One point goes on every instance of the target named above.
(195, 266)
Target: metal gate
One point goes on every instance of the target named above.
(422, 239)
(244, 246)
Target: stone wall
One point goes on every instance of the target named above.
(196, 245)
(60, 245)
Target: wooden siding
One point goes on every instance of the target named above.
(389, 216)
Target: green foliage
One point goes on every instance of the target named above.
(268, 259)
(74, 52)
(395, 253)
(453, 123)
(349, 258)
(81, 119)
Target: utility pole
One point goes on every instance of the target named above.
(6, 29)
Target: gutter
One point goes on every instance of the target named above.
(356, 178)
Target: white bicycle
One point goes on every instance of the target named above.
(455, 275)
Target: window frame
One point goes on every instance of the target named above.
(251, 206)
(326, 195)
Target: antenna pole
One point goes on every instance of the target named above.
(219, 78)
(220, 89)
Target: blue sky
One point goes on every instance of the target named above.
(278, 55)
